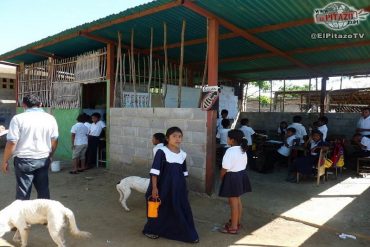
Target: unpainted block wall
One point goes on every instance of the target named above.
(339, 123)
(131, 148)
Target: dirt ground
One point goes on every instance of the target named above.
(276, 213)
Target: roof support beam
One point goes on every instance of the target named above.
(243, 33)
(292, 52)
(42, 53)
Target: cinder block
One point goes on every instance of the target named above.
(115, 112)
(157, 123)
(129, 131)
(181, 113)
(200, 115)
(115, 139)
(115, 131)
(162, 112)
(143, 153)
(129, 112)
(194, 149)
(145, 133)
(143, 143)
(140, 163)
(176, 122)
(196, 126)
(141, 122)
(116, 121)
(115, 148)
(196, 185)
(199, 138)
(198, 161)
(145, 112)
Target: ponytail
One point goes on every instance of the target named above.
(238, 137)
(244, 144)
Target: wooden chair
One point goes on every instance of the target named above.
(320, 168)
(363, 165)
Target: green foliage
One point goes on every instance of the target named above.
(263, 85)
(294, 88)
(264, 100)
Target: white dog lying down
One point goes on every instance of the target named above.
(23, 214)
(124, 188)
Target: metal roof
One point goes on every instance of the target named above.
(284, 25)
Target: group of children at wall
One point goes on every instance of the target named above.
(85, 135)
(167, 182)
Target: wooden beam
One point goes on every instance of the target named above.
(42, 53)
(323, 95)
(292, 52)
(97, 38)
(8, 64)
(110, 71)
(213, 36)
(248, 36)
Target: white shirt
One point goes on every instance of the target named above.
(222, 135)
(364, 123)
(156, 147)
(366, 142)
(96, 128)
(300, 130)
(88, 125)
(248, 132)
(33, 131)
(80, 131)
(234, 159)
(324, 130)
(284, 150)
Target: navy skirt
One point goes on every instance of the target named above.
(235, 184)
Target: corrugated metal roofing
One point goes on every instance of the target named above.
(246, 14)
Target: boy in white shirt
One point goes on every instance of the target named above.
(222, 132)
(79, 144)
(281, 155)
(322, 122)
(248, 131)
(95, 131)
(300, 129)
(363, 125)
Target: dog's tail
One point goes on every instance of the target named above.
(73, 226)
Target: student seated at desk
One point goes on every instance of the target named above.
(300, 129)
(280, 155)
(364, 143)
(282, 129)
(304, 165)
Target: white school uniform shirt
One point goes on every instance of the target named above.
(284, 150)
(32, 131)
(222, 135)
(80, 131)
(235, 159)
(300, 130)
(156, 147)
(364, 123)
(248, 132)
(366, 142)
(324, 130)
(96, 128)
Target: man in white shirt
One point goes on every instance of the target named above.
(363, 125)
(32, 140)
(95, 131)
(301, 132)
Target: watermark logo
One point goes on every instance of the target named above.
(339, 16)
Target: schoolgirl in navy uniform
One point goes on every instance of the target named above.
(175, 218)
(235, 181)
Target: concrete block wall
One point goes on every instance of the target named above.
(131, 132)
(339, 123)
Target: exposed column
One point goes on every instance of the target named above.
(322, 95)
(110, 72)
(211, 115)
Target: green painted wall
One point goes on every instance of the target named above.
(65, 119)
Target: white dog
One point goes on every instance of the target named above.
(23, 214)
(125, 185)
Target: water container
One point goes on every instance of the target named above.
(153, 206)
(55, 166)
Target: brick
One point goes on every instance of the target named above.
(199, 137)
(141, 122)
(129, 131)
(176, 122)
(197, 126)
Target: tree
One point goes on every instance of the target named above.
(304, 87)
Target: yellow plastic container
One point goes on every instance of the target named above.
(153, 206)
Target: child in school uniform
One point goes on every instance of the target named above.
(222, 132)
(301, 132)
(248, 133)
(158, 141)
(79, 145)
(235, 181)
(304, 165)
(322, 126)
(281, 155)
(167, 182)
(95, 131)
(282, 129)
